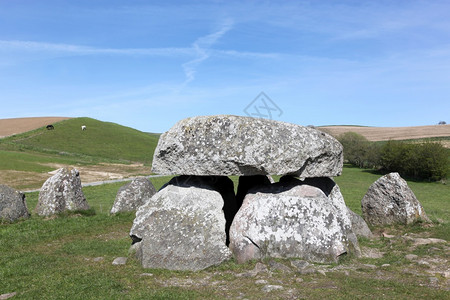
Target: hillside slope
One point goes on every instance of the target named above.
(101, 140)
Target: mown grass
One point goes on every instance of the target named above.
(34, 162)
(70, 257)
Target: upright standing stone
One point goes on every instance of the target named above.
(132, 195)
(293, 219)
(182, 227)
(12, 204)
(232, 145)
(389, 200)
(61, 192)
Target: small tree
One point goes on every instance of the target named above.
(356, 148)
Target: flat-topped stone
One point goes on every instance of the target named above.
(234, 145)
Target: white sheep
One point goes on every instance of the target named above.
(83, 127)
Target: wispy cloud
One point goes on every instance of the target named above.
(202, 49)
(32, 46)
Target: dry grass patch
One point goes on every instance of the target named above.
(19, 125)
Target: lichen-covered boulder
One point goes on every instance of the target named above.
(293, 219)
(132, 195)
(182, 227)
(12, 204)
(233, 145)
(61, 192)
(389, 200)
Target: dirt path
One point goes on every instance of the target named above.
(19, 125)
(103, 172)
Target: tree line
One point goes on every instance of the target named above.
(424, 161)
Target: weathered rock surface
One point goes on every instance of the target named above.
(182, 227)
(132, 195)
(232, 145)
(221, 184)
(389, 200)
(61, 192)
(12, 204)
(293, 219)
(359, 226)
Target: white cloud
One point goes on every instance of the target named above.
(202, 48)
(32, 46)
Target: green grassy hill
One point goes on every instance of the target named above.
(101, 140)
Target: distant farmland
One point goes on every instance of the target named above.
(392, 133)
(19, 125)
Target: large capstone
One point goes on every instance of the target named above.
(389, 200)
(61, 192)
(307, 220)
(182, 227)
(233, 145)
(132, 195)
(12, 204)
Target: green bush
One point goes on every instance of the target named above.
(359, 151)
(427, 161)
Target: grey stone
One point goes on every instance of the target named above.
(61, 192)
(270, 288)
(182, 227)
(369, 266)
(234, 145)
(98, 259)
(300, 264)
(389, 200)
(434, 280)
(276, 266)
(221, 184)
(411, 256)
(359, 226)
(293, 219)
(7, 296)
(119, 261)
(371, 253)
(12, 204)
(132, 195)
(259, 268)
(425, 241)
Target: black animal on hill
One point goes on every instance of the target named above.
(50, 127)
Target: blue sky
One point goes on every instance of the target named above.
(148, 64)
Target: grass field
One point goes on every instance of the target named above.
(70, 257)
(31, 155)
(101, 141)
